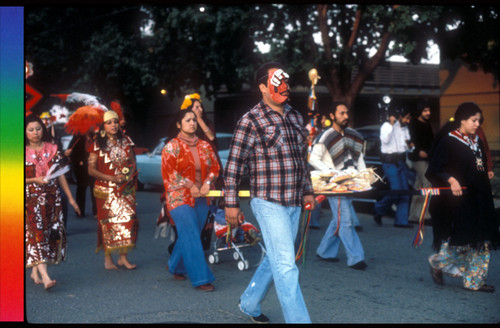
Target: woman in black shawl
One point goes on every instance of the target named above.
(464, 222)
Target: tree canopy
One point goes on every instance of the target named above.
(131, 52)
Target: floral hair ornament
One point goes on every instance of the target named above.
(188, 100)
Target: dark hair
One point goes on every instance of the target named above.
(420, 108)
(337, 104)
(180, 115)
(102, 141)
(398, 111)
(262, 72)
(203, 113)
(466, 110)
(33, 118)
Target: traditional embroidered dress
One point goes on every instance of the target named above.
(116, 207)
(45, 237)
(464, 227)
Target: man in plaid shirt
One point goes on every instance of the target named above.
(270, 141)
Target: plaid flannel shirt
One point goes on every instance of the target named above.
(272, 148)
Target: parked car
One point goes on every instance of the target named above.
(149, 164)
(371, 150)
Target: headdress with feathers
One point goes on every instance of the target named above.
(84, 119)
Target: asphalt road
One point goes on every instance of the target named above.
(395, 288)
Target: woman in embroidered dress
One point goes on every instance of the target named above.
(112, 163)
(189, 166)
(464, 223)
(45, 236)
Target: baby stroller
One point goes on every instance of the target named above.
(244, 236)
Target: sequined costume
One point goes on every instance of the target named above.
(45, 236)
(116, 206)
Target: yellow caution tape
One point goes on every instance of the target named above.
(220, 193)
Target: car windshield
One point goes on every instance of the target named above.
(159, 147)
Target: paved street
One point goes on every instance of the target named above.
(396, 287)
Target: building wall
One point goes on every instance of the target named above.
(459, 84)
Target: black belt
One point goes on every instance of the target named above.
(393, 157)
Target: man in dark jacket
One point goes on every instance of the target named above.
(422, 136)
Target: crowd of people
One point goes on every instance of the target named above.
(272, 145)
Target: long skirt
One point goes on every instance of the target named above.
(118, 225)
(45, 236)
(473, 264)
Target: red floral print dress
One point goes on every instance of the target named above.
(45, 236)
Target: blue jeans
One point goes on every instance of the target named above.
(278, 225)
(354, 216)
(329, 245)
(188, 256)
(397, 174)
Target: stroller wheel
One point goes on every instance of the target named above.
(236, 256)
(213, 259)
(243, 265)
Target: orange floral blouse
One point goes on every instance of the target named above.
(179, 172)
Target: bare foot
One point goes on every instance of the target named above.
(123, 261)
(36, 278)
(110, 266)
(108, 263)
(49, 284)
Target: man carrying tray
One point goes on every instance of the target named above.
(340, 147)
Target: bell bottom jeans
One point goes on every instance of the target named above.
(278, 225)
(329, 245)
(397, 174)
(188, 256)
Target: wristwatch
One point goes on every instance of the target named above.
(208, 182)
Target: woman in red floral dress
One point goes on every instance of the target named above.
(189, 166)
(45, 236)
(112, 163)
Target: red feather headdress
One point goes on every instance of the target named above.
(115, 106)
(84, 119)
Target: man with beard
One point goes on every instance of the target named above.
(394, 143)
(422, 137)
(340, 147)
